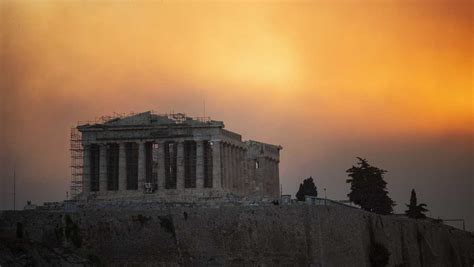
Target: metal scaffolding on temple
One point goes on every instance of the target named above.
(77, 151)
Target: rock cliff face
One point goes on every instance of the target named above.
(230, 235)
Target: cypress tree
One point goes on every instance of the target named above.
(415, 210)
(307, 188)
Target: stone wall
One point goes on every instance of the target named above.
(267, 235)
(264, 162)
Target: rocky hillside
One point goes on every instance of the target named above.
(301, 235)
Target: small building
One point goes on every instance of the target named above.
(29, 206)
(285, 199)
(312, 200)
(174, 157)
(315, 200)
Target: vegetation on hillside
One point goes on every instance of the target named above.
(368, 188)
(307, 188)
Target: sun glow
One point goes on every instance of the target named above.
(267, 63)
(370, 67)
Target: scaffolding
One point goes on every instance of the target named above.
(77, 155)
(77, 152)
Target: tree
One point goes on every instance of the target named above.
(307, 188)
(415, 210)
(368, 189)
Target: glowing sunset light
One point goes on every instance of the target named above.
(328, 80)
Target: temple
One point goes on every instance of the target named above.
(175, 158)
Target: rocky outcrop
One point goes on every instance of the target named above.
(18, 252)
(301, 235)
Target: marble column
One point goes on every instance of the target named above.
(141, 166)
(199, 164)
(122, 168)
(239, 169)
(245, 166)
(103, 168)
(161, 166)
(271, 171)
(225, 176)
(216, 165)
(277, 175)
(228, 166)
(259, 175)
(232, 168)
(86, 169)
(236, 168)
(180, 166)
(244, 172)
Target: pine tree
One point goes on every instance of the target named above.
(415, 210)
(307, 188)
(368, 189)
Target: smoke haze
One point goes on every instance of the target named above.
(329, 81)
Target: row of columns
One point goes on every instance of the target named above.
(122, 167)
(233, 160)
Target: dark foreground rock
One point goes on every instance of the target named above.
(299, 235)
(17, 252)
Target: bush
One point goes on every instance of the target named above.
(167, 224)
(141, 219)
(379, 255)
(307, 188)
(72, 232)
(19, 230)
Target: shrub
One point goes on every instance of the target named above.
(72, 232)
(19, 230)
(379, 255)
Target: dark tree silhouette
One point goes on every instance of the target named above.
(307, 188)
(415, 210)
(368, 189)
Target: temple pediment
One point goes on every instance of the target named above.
(148, 118)
(144, 118)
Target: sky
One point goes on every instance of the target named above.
(389, 81)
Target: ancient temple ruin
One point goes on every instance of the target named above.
(175, 158)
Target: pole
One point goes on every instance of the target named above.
(456, 220)
(325, 196)
(66, 203)
(14, 188)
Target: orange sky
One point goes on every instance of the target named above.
(316, 76)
